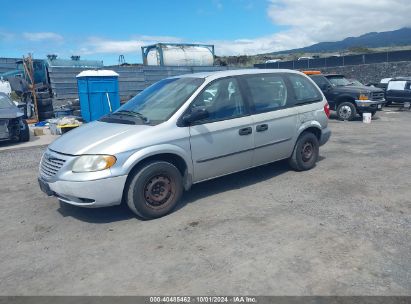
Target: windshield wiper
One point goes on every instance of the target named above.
(133, 114)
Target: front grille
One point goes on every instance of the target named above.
(377, 96)
(50, 165)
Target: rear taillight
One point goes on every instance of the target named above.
(327, 109)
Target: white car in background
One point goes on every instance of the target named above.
(12, 125)
(5, 87)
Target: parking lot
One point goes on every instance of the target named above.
(342, 228)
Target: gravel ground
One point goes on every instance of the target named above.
(342, 228)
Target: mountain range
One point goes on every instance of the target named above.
(399, 37)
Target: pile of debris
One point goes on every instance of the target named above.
(58, 126)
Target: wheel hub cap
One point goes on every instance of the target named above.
(345, 112)
(307, 151)
(158, 190)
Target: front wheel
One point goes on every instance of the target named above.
(346, 111)
(154, 190)
(305, 153)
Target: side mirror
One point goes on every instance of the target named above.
(197, 114)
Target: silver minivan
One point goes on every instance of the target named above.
(184, 130)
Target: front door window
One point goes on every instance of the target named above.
(222, 99)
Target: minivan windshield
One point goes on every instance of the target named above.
(158, 102)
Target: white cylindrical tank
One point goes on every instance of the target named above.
(181, 55)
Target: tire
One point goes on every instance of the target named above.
(24, 134)
(144, 193)
(45, 115)
(44, 102)
(388, 103)
(305, 153)
(346, 111)
(373, 113)
(43, 95)
(42, 109)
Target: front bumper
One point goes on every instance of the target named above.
(325, 136)
(92, 194)
(369, 105)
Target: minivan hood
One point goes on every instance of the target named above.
(96, 138)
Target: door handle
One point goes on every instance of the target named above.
(261, 128)
(245, 131)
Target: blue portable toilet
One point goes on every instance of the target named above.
(98, 93)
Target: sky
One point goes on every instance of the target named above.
(104, 29)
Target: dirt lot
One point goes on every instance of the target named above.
(342, 228)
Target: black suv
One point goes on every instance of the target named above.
(349, 99)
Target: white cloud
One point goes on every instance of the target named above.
(266, 44)
(332, 20)
(309, 22)
(96, 45)
(42, 36)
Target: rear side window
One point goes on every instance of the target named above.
(320, 81)
(268, 92)
(304, 90)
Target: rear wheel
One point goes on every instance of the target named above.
(305, 153)
(346, 111)
(154, 190)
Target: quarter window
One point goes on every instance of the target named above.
(222, 99)
(304, 90)
(268, 92)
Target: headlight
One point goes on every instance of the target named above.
(364, 97)
(92, 163)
